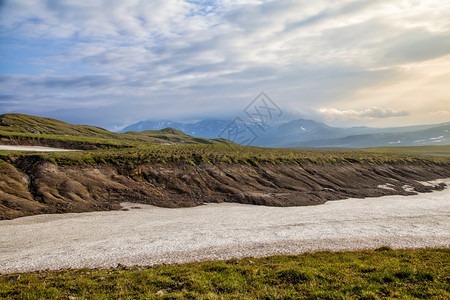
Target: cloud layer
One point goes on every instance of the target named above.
(372, 113)
(134, 60)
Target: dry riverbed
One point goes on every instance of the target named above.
(145, 235)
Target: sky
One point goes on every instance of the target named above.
(112, 63)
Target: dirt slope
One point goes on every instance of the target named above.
(32, 186)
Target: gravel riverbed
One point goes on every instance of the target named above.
(147, 235)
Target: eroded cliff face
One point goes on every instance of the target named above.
(32, 186)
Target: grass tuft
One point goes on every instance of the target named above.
(384, 248)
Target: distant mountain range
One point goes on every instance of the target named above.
(308, 133)
(204, 128)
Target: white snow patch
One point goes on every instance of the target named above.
(153, 235)
(32, 148)
(397, 142)
(408, 188)
(387, 186)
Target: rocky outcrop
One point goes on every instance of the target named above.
(30, 185)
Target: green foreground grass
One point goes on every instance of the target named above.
(369, 274)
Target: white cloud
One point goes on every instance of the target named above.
(368, 113)
(174, 53)
(105, 19)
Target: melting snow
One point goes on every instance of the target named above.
(387, 186)
(32, 148)
(154, 235)
(397, 142)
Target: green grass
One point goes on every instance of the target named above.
(24, 128)
(374, 274)
(125, 140)
(428, 150)
(22, 138)
(437, 150)
(135, 148)
(37, 125)
(217, 154)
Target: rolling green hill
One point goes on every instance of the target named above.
(31, 130)
(38, 125)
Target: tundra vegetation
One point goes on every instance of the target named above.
(170, 145)
(213, 154)
(370, 274)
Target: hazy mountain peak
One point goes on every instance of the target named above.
(310, 133)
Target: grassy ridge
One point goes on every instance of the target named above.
(79, 140)
(437, 150)
(38, 125)
(213, 154)
(24, 128)
(129, 139)
(134, 148)
(441, 150)
(374, 274)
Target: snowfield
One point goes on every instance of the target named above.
(146, 235)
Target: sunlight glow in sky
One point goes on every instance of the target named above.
(112, 63)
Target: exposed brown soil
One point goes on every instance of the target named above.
(32, 186)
